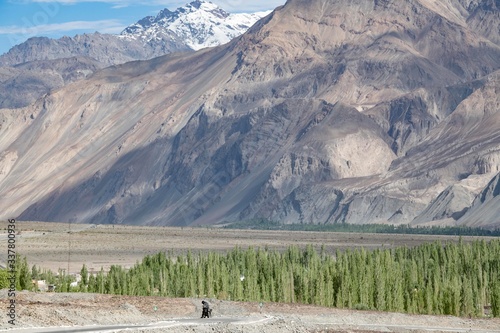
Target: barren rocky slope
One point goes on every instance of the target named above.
(324, 112)
(105, 48)
(485, 210)
(23, 84)
(33, 68)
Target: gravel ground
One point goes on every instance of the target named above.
(64, 309)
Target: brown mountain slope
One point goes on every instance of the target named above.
(41, 64)
(21, 85)
(325, 111)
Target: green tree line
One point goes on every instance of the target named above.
(405, 229)
(453, 279)
(24, 276)
(456, 279)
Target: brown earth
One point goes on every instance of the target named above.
(37, 310)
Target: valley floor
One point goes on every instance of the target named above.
(57, 246)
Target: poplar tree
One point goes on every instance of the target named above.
(466, 298)
(495, 299)
(84, 273)
(23, 274)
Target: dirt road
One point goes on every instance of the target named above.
(59, 312)
(245, 325)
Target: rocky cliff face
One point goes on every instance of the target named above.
(485, 210)
(324, 112)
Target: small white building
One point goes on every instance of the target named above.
(40, 285)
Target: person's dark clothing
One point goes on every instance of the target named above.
(205, 312)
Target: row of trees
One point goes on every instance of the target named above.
(454, 279)
(24, 276)
(264, 224)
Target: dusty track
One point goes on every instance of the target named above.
(49, 312)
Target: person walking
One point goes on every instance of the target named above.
(206, 310)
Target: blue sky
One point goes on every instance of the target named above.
(22, 19)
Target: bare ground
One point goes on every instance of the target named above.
(70, 310)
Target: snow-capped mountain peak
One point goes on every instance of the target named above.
(199, 24)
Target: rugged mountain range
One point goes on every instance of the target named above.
(198, 25)
(194, 26)
(364, 111)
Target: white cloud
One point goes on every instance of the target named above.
(110, 26)
(120, 3)
(248, 6)
(229, 5)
